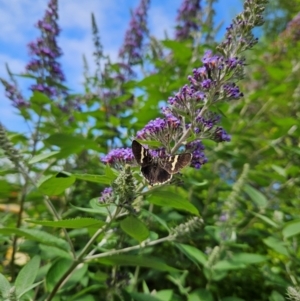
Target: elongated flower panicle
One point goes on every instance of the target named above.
(45, 52)
(132, 47)
(106, 195)
(188, 112)
(187, 19)
(13, 93)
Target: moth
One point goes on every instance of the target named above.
(158, 170)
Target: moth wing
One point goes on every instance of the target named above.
(141, 154)
(155, 174)
(174, 164)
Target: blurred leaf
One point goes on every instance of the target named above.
(164, 295)
(57, 184)
(37, 235)
(27, 275)
(276, 245)
(257, 197)
(170, 199)
(49, 252)
(143, 297)
(265, 219)
(200, 294)
(75, 223)
(194, 253)
(4, 286)
(102, 179)
(135, 228)
(248, 258)
(228, 265)
(232, 299)
(291, 229)
(56, 271)
(41, 157)
(136, 260)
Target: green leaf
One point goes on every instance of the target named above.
(291, 229)
(41, 157)
(136, 260)
(134, 228)
(4, 286)
(194, 253)
(143, 297)
(56, 271)
(276, 245)
(29, 288)
(102, 179)
(200, 294)
(248, 258)
(224, 265)
(75, 223)
(257, 197)
(57, 184)
(27, 275)
(49, 252)
(39, 98)
(265, 219)
(37, 235)
(164, 295)
(171, 199)
(232, 299)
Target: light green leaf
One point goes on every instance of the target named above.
(281, 171)
(228, 265)
(27, 275)
(164, 295)
(4, 286)
(265, 219)
(136, 260)
(143, 297)
(248, 258)
(276, 245)
(171, 199)
(30, 288)
(52, 252)
(194, 253)
(57, 184)
(75, 223)
(257, 197)
(41, 157)
(291, 229)
(135, 228)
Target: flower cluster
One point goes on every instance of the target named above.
(187, 19)
(196, 148)
(13, 93)
(106, 195)
(45, 52)
(131, 50)
(119, 156)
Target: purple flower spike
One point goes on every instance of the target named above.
(196, 148)
(119, 156)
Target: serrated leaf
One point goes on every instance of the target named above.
(4, 286)
(171, 199)
(102, 179)
(41, 157)
(194, 253)
(276, 245)
(257, 197)
(291, 229)
(134, 228)
(27, 275)
(57, 184)
(136, 260)
(75, 223)
(37, 235)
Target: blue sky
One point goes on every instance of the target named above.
(18, 17)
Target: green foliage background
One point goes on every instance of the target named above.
(248, 194)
